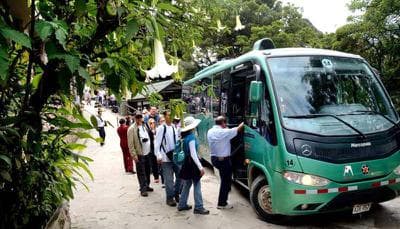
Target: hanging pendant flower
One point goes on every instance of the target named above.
(161, 68)
(219, 26)
(239, 25)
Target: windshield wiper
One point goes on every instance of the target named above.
(376, 113)
(328, 115)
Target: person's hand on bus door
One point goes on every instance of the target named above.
(241, 127)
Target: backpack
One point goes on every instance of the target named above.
(179, 154)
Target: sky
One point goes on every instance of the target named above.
(326, 15)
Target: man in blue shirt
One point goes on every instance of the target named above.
(219, 137)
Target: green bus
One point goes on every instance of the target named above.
(321, 134)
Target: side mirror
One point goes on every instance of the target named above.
(255, 92)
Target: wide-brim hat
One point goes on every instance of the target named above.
(190, 123)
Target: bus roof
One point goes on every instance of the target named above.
(281, 52)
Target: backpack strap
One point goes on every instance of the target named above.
(163, 140)
(173, 130)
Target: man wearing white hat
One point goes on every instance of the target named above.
(219, 137)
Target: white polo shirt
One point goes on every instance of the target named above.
(219, 140)
(144, 134)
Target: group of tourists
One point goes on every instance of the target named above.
(150, 141)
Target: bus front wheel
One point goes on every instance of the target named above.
(261, 200)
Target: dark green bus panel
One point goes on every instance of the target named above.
(321, 132)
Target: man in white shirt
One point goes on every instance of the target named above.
(166, 138)
(139, 147)
(100, 127)
(219, 137)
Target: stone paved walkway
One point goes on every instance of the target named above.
(114, 201)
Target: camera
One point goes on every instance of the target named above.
(144, 140)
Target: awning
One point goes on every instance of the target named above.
(154, 87)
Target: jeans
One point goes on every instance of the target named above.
(172, 188)
(143, 172)
(225, 172)
(198, 199)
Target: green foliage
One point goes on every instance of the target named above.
(16, 36)
(177, 108)
(375, 36)
(74, 42)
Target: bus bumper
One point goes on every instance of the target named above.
(293, 199)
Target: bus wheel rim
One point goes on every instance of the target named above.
(264, 199)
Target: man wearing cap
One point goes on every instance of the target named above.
(166, 138)
(139, 147)
(219, 137)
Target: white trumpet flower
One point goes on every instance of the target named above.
(239, 25)
(161, 67)
(219, 26)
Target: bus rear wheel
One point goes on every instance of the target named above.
(261, 200)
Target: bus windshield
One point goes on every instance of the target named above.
(330, 95)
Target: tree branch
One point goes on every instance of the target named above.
(31, 57)
(105, 24)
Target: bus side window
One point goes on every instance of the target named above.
(218, 100)
(197, 99)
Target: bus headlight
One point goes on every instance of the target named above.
(397, 170)
(305, 179)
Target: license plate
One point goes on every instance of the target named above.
(359, 208)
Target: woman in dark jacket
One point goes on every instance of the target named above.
(192, 170)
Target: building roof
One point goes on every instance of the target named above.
(154, 87)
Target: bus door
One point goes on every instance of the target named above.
(237, 100)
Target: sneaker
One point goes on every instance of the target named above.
(201, 211)
(171, 203)
(188, 207)
(227, 206)
(149, 189)
(144, 194)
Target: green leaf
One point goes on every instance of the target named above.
(44, 29)
(93, 120)
(84, 167)
(168, 6)
(16, 36)
(81, 7)
(109, 123)
(131, 29)
(83, 135)
(6, 175)
(5, 159)
(82, 72)
(61, 32)
(36, 80)
(72, 62)
(3, 69)
(76, 146)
